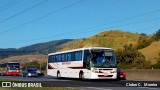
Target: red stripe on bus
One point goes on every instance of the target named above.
(77, 67)
(50, 67)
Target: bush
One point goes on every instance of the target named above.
(129, 58)
(157, 65)
(156, 36)
(123, 65)
(143, 42)
(35, 64)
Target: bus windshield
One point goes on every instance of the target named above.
(103, 59)
(13, 67)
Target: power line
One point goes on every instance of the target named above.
(79, 31)
(9, 5)
(50, 13)
(125, 19)
(21, 12)
(44, 16)
(6, 5)
(74, 32)
(91, 27)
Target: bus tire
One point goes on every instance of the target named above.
(58, 74)
(81, 75)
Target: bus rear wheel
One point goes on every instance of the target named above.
(81, 76)
(58, 75)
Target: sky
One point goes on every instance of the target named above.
(27, 22)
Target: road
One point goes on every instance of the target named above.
(87, 84)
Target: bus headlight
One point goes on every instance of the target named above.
(95, 70)
(113, 71)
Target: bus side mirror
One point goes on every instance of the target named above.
(88, 66)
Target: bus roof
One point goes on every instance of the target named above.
(84, 48)
(12, 62)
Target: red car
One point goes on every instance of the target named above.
(121, 75)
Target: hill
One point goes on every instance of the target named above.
(113, 39)
(25, 58)
(151, 52)
(47, 47)
(40, 48)
(4, 53)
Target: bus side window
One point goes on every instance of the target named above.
(49, 59)
(78, 55)
(63, 57)
(56, 58)
(68, 56)
(72, 56)
(59, 58)
(53, 58)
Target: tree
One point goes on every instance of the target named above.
(129, 57)
(33, 64)
(157, 65)
(156, 36)
(143, 42)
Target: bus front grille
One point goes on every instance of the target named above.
(106, 69)
(105, 76)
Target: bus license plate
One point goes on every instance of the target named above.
(105, 74)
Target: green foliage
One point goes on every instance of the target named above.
(122, 65)
(156, 36)
(157, 65)
(43, 66)
(129, 58)
(143, 42)
(35, 64)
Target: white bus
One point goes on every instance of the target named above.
(83, 63)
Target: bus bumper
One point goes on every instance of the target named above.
(14, 73)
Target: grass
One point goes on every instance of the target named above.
(116, 39)
(113, 39)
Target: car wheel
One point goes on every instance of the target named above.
(27, 75)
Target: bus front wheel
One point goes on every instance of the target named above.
(58, 75)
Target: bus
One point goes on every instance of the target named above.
(83, 63)
(10, 68)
